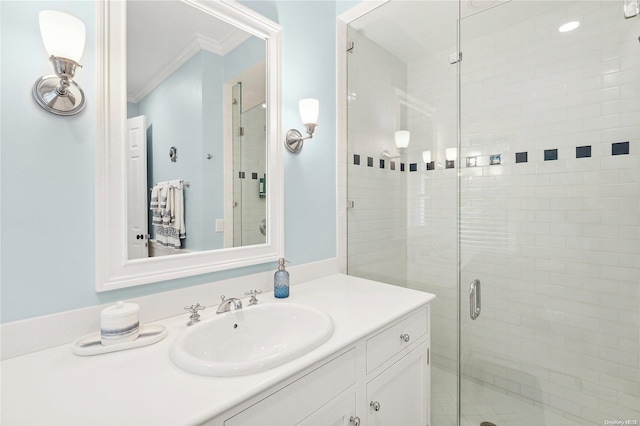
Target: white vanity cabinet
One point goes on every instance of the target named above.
(400, 395)
(294, 402)
(378, 352)
(339, 412)
(382, 379)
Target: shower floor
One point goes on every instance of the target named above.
(483, 404)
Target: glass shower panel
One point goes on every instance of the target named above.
(549, 218)
(403, 217)
(236, 117)
(254, 164)
(249, 170)
(377, 185)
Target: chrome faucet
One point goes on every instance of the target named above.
(225, 305)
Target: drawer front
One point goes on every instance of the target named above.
(296, 401)
(390, 341)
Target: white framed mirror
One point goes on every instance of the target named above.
(189, 171)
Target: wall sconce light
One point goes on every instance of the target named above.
(401, 139)
(451, 154)
(63, 36)
(631, 8)
(426, 157)
(309, 110)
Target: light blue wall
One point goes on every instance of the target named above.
(185, 111)
(309, 71)
(240, 59)
(47, 174)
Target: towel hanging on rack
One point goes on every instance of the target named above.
(168, 213)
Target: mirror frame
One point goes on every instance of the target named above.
(113, 269)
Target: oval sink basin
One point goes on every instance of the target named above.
(251, 340)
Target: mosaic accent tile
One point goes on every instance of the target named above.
(522, 157)
(550, 154)
(583, 151)
(620, 148)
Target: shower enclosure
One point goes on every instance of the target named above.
(517, 201)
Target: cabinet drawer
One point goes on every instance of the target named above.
(294, 402)
(388, 342)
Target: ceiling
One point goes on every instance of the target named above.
(408, 27)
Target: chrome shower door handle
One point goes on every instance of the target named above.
(475, 299)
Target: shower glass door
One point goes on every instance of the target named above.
(549, 214)
(402, 213)
(522, 176)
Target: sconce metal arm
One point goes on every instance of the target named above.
(295, 140)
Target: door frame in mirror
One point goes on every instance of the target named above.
(113, 270)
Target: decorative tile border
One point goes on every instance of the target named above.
(620, 148)
(243, 175)
(585, 151)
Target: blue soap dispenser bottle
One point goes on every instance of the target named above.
(281, 281)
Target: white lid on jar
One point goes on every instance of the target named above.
(120, 310)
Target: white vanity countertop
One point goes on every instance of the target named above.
(143, 386)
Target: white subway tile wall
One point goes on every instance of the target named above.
(253, 208)
(556, 243)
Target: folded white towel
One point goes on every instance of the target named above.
(157, 193)
(171, 227)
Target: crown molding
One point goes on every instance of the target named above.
(195, 44)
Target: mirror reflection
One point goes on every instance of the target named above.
(196, 120)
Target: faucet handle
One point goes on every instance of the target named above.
(195, 316)
(194, 308)
(253, 293)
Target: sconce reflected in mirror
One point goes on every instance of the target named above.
(426, 157)
(64, 37)
(309, 110)
(401, 139)
(631, 8)
(451, 154)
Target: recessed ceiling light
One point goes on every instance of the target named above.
(569, 26)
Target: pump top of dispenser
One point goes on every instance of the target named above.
(281, 265)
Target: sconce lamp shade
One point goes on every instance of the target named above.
(426, 156)
(402, 138)
(451, 153)
(309, 110)
(63, 35)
